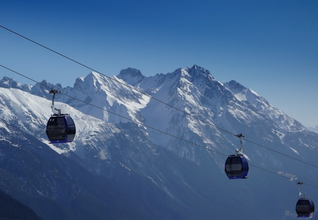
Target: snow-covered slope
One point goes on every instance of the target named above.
(244, 94)
(31, 113)
(178, 114)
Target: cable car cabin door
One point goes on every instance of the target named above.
(56, 129)
(70, 129)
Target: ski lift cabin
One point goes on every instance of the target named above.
(236, 167)
(60, 128)
(305, 208)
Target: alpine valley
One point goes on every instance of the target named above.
(153, 148)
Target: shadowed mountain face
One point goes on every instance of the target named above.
(13, 209)
(159, 167)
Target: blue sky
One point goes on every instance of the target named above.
(269, 46)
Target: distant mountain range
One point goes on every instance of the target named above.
(315, 129)
(153, 148)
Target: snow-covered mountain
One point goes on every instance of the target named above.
(148, 134)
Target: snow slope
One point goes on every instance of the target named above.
(190, 111)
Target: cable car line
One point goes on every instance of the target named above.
(158, 100)
(113, 79)
(163, 132)
(294, 158)
(135, 121)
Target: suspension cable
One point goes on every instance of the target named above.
(158, 130)
(158, 100)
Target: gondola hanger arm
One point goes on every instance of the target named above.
(54, 91)
(299, 192)
(240, 151)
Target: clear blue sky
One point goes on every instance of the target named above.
(270, 46)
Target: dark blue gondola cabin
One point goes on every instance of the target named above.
(305, 208)
(60, 128)
(236, 167)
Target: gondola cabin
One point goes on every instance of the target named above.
(305, 208)
(60, 128)
(236, 167)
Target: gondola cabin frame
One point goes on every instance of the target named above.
(60, 128)
(236, 167)
(305, 208)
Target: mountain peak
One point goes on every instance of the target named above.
(42, 89)
(197, 68)
(131, 75)
(92, 76)
(7, 82)
(244, 94)
(93, 81)
(235, 86)
(197, 71)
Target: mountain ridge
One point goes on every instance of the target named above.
(176, 166)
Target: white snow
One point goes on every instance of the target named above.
(295, 151)
(32, 112)
(240, 96)
(306, 145)
(292, 177)
(179, 89)
(124, 166)
(152, 180)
